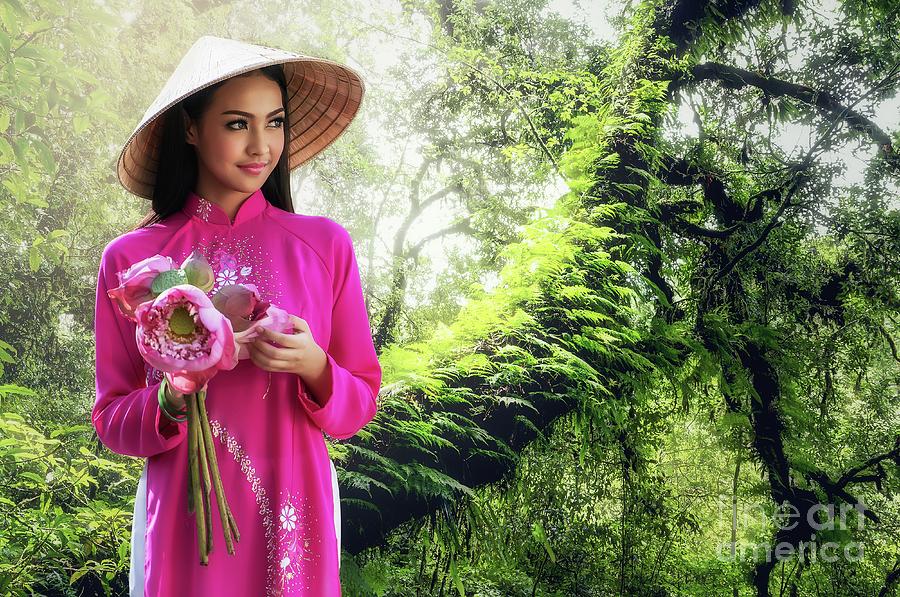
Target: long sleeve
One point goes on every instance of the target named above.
(126, 413)
(353, 370)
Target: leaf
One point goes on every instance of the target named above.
(7, 153)
(33, 26)
(33, 476)
(12, 389)
(18, 6)
(70, 429)
(537, 531)
(81, 124)
(457, 581)
(10, 23)
(77, 574)
(45, 156)
(34, 258)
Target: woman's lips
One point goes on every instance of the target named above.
(252, 170)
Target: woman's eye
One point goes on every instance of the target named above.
(279, 120)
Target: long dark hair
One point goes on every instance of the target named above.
(176, 172)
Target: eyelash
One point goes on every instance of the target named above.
(279, 120)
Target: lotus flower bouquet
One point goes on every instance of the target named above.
(190, 338)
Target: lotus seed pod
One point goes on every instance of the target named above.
(168, 279)
(198, 271)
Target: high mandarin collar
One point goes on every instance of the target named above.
(210, 212)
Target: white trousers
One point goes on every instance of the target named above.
(139, 528)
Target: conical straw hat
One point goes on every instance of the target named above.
(323, 97)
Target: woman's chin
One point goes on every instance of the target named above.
(246, 186)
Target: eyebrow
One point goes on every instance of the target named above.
(249, 115)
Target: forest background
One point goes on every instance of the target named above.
(631, 268)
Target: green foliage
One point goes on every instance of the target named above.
(591, 320)
(57, 529)
(664, 349)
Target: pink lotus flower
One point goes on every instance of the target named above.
(136, 283)
(181, 333)
(146, 279)
(248, 313)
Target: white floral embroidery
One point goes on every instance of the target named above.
(204, 209)
(288, 518)
(226, 264)
(291, 548)
(226, 276)
(299, 556)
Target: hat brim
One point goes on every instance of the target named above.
(323, 98)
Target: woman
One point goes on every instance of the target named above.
(213, 154)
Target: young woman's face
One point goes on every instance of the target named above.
(243, 125)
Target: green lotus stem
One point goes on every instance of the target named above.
(190, 484)
(228, 524)
(233, 524)
(207, 486)
(194, 439)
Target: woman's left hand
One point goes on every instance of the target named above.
(298, 352)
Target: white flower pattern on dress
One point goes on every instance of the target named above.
(290, 547)
(288, 517)
(226, 276)
(298, 554)
(228, 270)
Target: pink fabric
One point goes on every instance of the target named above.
(268, 431)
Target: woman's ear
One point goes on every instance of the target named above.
(190, 128)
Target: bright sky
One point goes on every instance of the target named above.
(595, 15)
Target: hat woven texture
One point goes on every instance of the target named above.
(323, 97)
